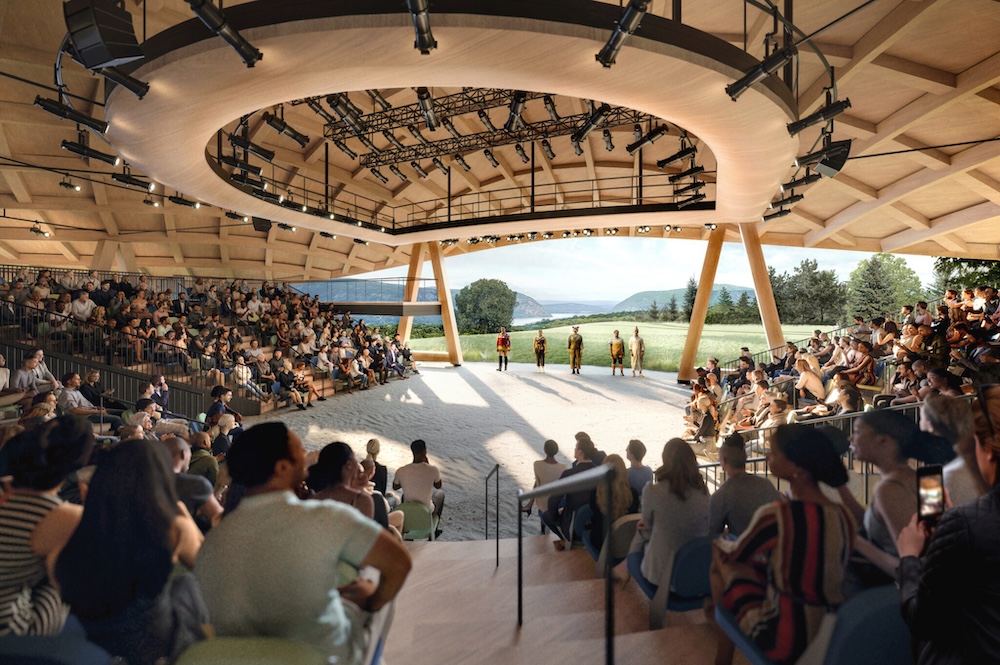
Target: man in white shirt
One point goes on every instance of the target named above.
(72, 401)
(82, 307)
(636, 350)
(421, 481)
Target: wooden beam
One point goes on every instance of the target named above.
(685, 370)
(916, 75)
(447, 305)
(946, 224)
(762, 286)
(418, 254)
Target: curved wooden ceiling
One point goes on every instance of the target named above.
(918, 74)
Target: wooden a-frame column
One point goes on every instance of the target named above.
(685, 369)
(418, 254)
(447, 304)
(762, 285)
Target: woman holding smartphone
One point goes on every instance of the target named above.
(950, 578)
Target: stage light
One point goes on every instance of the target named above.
(241, 165)
(577, 148)
(90, 153)
(366, 142)
(596, 118)
(689, 151)
(133, 85)
(237, 216)
(427, 107)
(514, 121)
(37, 230)
(378, 174)
(391, 138)
(67, 184)
(150, 202)
(461, 162)
(694, 170)
(180, 200)
(417, 135)
(67, 113)
(419, 169)
(690, 200)
(451, 128)
(377, 97)
(131, 181)
(344, 149)
(215, 20)
(399, 174)
(588, 232)
(711, 226)
(342, 106)
(489, 156)
(611, 232)
(771, 64)
(424, 41)
(550, 106)
(547, 149)
(696, 185)
(808, 179)
(359, 241)
(245, 144)
(829, 160)
(325, 234)
(270, 197)
(648, 139)
(320, 111)
(519, 149)
(441, 167)
(825, 114)
(287, 227)
(791, 199)
(608, 143)
(627, 25)
(485, 119)
(248, 180)
(548, 235)
(282, 127)
(776, 215)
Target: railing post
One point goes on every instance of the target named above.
(520, 564)
(497, 498)
(609, 590)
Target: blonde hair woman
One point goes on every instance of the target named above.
(624, 500)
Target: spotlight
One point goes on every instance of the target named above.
(320, 111)
(180, 200)
(342, 107)
(378, 174)
(808, 179)
(575, 233)
(399, 174)
(451, 128)
(379, 99)
(611, 232)
(324, 234)
(550, 106)
(248, 181)
(514, 121)
(366, 142)
(237, 216)
(266, 196)
(548, 235)
(577, 148)
(150, 202)
(627, 25)
(67, 184)
(419, 169)
(216, 22)
(282, 127)
(711, 226)
(424, 42)
(642, 230)
(67, 113)
(566, 234)
(690, 200)
(532, 235)
(694, 170)
(677, 156)
(461, 162)
(485, 119)
(287, 227)
(90, 153)
(776, 215)
(648, 139)
(677, 229)
(360, 241)
(417, 135)
(696, 185)
(608, 143)
(133, 85)
(441, 167)
(131, 181)
(791, 199)
(240, 165)
(391, 138)
(547, 149)
(489, 156)
(771, 64)
(245, 144)
(344, 149)
(519, 149)
(588, 232)
(825, 114)
(596, 118)
(37, 230)
(427, 106)
(829, 160)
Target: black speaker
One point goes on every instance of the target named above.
(835, 159)
(261, 224)
(101, 33)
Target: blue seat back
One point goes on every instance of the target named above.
(689, 579)
(870, 630)
(54, 650)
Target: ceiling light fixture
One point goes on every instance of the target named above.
(342, 106)
(287, 227)
(485, 119)
(151, 202)
(181, 201)
(550, 106)
(514, 120)
(325, 234)
(282, 127)
(417, 135)
(611, 232)
(683, 153)
(608, 143)
(245, 144)
(320, 111)
(241, 165)
(424, 41)
(133, 85)
(689, 201)
(427, 107)
(791, 199)
(86, 151)
(547, 149)
(399, 174)
(237, 216)
(461, 162)
(378, 174)
(677, 229)
(451, 128)
(391, 138)
(776, 215)
(596, 118)
(419, 169)
(248, 180)
(270, 197)
(490, 158)
(37, 230)
(768, 66)
(711, 226)
(65, 183)
(344, 149)
(366, 142)
(377, 97)
(808, 179)
(825, 114)
(627, 25)
(694, 170)
(577, 148)
(68, 113)
(441, 167)
(215, 20)
(519, 149)
(648, 139)
(694, 186)
(131, 181)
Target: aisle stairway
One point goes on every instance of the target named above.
(457, 607)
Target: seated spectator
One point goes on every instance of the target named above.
(96, 393)
(948, 576)
(558, 515)
(304, 383)
(784, 573)
(221, 397)
(951, 419)
(42, 410)
(420, 481)
(203, 463)
(862, 370)
(381, 477)
(115, 572)
(624, 501)
(286, 380)
(195, 492)
(244, 378)
(71, 400)
(35, 523)
(809, 384)
(546, 470)
(332, 476)
(222, 436)
(168, 350)
(638, 473)
(303, 598)
(731, 507)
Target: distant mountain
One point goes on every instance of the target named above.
(529, 308)
(642, 300)
(577, 307)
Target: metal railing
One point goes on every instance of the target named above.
(367, 290)
(486, 508)
(585, 480)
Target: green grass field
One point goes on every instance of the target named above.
(664, 343)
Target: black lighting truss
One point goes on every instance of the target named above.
(469, 100)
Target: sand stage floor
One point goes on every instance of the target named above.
(473, 417)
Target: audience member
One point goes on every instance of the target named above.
(71, 400)
(951, 419)
(332, 475)
(638, 473)
(203, 462)
(195, 492)
(624, 500)
(420, 481)
(546, 470)
(732, 506)
(561, 509)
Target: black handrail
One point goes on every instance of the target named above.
(585, 480)
(486, 508)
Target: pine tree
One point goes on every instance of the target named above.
(724, 297)
(670, 313)
(654, 312)
(746, 309)
(689, 295)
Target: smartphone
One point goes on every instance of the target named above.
(930, 493)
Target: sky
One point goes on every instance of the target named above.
(612, 269)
